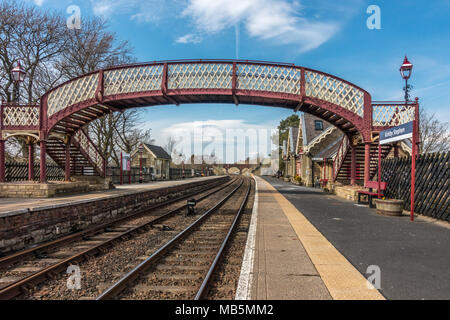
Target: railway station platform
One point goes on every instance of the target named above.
(289, 259)
(310, 244)
(12, 204)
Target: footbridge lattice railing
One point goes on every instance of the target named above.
(218, 75)
(391, 114)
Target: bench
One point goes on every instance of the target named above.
(370, 194)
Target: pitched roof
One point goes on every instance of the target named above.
(329, 151)
(309, 129)
(158, 151)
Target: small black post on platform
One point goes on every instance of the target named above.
(191, 207)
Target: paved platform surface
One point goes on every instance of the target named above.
(11, 204)
(414, 257)
(294, 261)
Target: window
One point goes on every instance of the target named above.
(318, 125)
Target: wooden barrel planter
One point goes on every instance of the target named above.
(389, 207)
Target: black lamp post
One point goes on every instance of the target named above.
(405, 71)
(18, 76)
(141, 151)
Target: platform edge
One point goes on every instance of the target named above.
(243, 291)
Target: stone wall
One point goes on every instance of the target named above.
(37, 190)
(348, 192)
(22, 228)
(96, 183)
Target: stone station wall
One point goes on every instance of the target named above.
(23, 228)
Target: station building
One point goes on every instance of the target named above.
(311, 149)
(154, 160)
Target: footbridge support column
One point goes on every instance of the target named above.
(30, 160)
(43, 162)
(353, 166)
(2, 161)
(367, 162)
(67, 164)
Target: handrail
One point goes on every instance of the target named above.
(340, 156)
(91, 152)
(387, 102)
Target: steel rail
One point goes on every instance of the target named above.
(15, 257)
(23, 285)
(132, 275)
(206, 281)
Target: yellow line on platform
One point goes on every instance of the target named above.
(342, 279)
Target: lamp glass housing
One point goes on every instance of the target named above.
(406, 69)
(18, 74)
(406, 72)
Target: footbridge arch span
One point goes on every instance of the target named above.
(63, 111)
(90, 96)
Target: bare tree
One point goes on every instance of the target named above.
(434, 134)
(8, 20)
(51, 53)
(91, 48)
(35, 38)
(170, 145)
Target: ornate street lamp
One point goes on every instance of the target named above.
(18, 76)
(405, 71)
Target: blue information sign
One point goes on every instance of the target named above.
(398, 133)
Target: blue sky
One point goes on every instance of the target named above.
(330, 36)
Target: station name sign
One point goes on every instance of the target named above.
(398, 133)
(126, 161)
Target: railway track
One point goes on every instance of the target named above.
(47, 261)
(183, 267)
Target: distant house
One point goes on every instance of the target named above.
(154, 160)
(311, 149)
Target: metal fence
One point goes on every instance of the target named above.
(134, 175)
(17, 171)
(432, 191)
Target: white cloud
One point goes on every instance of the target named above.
(276, 20)
(189, 38)
(39, 2)
(139, 10)
(104, 7)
